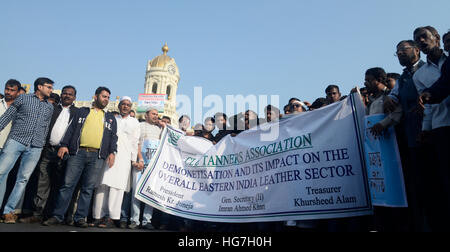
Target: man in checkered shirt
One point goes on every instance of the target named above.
(31, 115)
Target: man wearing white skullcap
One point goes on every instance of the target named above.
(116, 180)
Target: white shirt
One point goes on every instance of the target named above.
(5, 132)
(60, 127)
(149, 131)
(435, 115)
(129, 126)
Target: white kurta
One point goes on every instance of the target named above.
(128, 132)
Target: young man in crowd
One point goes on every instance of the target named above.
(220, 120)
(333, 93)
(440, 90)
(31, 114)
(51, 167)
(436, 120)
(90, 140)
(392, 78)
(11, 92)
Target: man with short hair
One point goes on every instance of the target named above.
(184, 123)
(412, 153)
(11, 92)
(166, 120)
(150, 134)
(272, 113)
(208, 128)
(115, 180)
(220, 119)
(318, 103)
(392, 78)
(31, 114)
(441, 88)
(333, 93)
(376, 84)
(446, 41)
(51, 167)
(436, 120)
(90, 140)
(22, 91)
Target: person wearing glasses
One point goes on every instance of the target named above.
(31, 114)
(297, 106)
(412, 153)
(51, 168)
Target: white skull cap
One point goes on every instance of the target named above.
(126, 98)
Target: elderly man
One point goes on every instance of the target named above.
(115, 181)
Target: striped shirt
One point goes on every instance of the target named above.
(30, 117)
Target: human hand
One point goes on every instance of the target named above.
(377, 130)
(424, 98)
(389, 105)
(62, 151)
(110, 160)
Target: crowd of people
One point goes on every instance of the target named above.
(80, 166)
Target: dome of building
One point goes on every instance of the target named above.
(161, 60)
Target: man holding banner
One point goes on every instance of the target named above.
(150, 133)
(383, 162)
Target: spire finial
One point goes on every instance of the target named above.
(165, 48)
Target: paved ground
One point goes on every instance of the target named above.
(37, 227)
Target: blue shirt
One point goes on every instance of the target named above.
(435, 115)
(30, 119)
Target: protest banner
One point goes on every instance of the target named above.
(314, 169)
(146, 101)
(384, 167)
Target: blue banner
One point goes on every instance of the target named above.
(384, 167)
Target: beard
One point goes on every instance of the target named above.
(407, 61)
(100, 105)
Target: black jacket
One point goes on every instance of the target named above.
(441, 88)
(73, 134)
(56, 111)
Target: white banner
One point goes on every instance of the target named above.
(307, 166)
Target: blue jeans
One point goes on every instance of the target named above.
(30, 157)
(136, 210)
(126, 205)
(85, 167)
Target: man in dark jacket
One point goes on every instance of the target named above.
(51, 167)
(441, 88)
(91, 140)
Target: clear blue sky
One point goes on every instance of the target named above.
(290, 48)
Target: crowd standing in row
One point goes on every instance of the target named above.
(80, 166)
